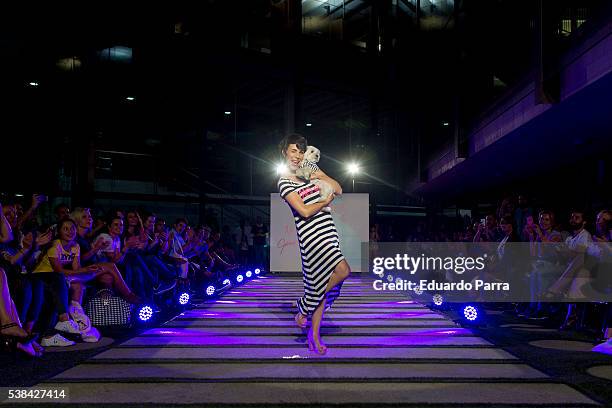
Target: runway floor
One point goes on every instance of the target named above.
(246, 349)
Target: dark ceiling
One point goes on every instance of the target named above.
(375, 79)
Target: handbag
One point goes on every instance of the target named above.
(106, 309)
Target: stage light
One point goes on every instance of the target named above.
(129, 98)
(437, 299)
(145, 313)
(249, 274)
(353, 168)
(239, 278)
(226, 282)
(308, 124)
(33, 83)
(227, 112)
(257, 271)
(445, 124)
(210, 290)
(184, 298)
(281, 168)
(470, 313)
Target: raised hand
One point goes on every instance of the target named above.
(44, 239)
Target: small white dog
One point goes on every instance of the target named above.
(308, 166)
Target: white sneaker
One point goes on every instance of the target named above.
(91, 335)
(57, 340)
(68, 326)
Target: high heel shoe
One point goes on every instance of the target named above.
(27, 339)
(312, 345)
(300, 322)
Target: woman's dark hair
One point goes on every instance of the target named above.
(293, 138)
(64, 221)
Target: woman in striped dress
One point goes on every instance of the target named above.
(323, 265)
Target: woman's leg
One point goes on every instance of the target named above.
(340, 273)
(56, 282)
(111, 276)
(77, 290)
(38, 296)
(314, 335)
(5, 298)
(8, 311)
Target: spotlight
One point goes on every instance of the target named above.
(210, 290)
(437, 299)
(249, 274)
(226, 282)
(239, 278)
(281, 168)
(470, 313)
(227, 112)
(129, 98)
(257, 271)
(184, 298)
(33, 83)
(353, 168)
(145, 313)
(445, 124)
(308, 124)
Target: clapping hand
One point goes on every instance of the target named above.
(44, 239)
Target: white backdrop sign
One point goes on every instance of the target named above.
(351, 215)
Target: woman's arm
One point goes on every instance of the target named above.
(6, 233)
(306, 210)
(319, 174)
(76, 267)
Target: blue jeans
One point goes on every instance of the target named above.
(56, 283)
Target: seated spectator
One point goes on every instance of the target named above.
(177, 247)
(107, 275)
(60, 261)
(18, 259)
(155, 246)
(488, 232)
(137, 275)
(574, 275)
(545, 266)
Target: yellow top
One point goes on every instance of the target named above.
(57, 251)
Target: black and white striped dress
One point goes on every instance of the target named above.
(319, 247)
